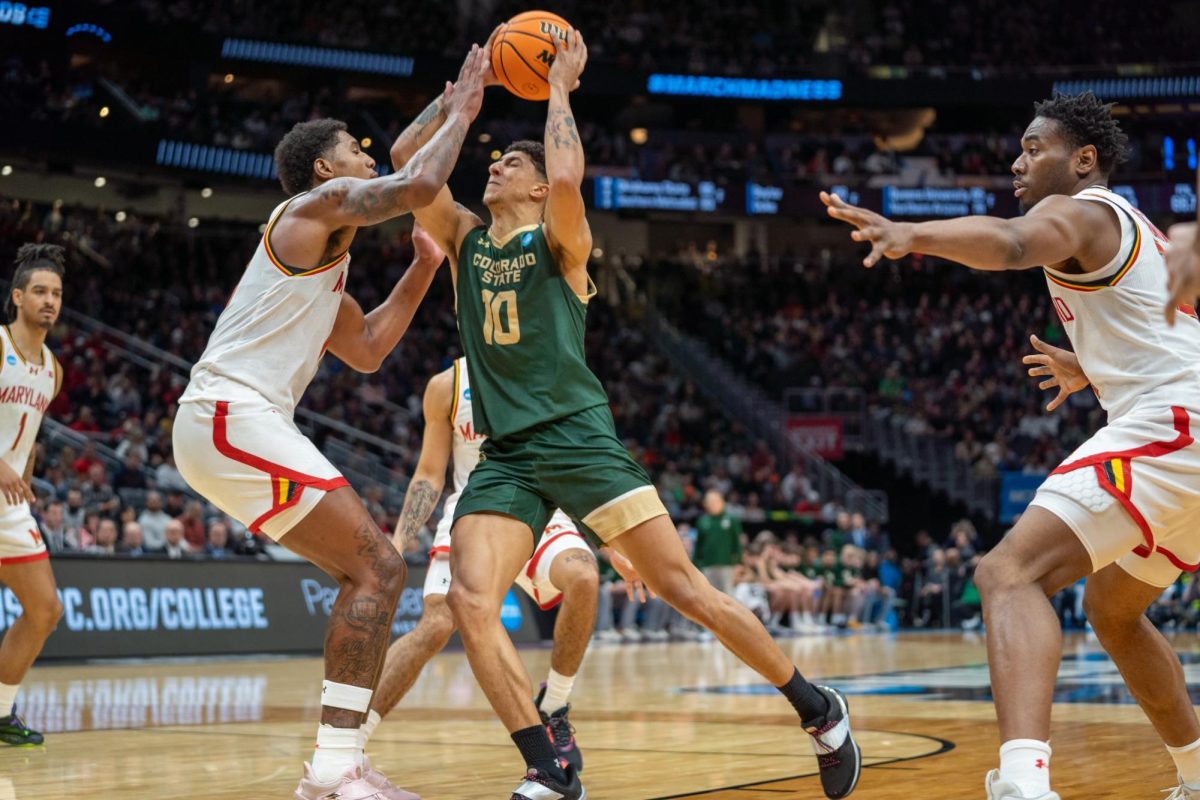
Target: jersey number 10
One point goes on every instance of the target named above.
(500, 322)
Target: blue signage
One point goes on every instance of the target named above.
(20, 14)
(744, 88)
(324, 57)
(1016, 491)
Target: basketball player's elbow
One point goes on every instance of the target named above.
(564, 178)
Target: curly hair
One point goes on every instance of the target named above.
(30, 259)
(1085, 120)
(304, 144)
(535, 150)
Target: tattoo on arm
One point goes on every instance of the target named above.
(419, 130)
(419, 501)
(561, 125)
(373, 201)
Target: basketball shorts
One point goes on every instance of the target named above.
(248, 458)
(1131, 493)
(20, 537)
(576, 463)
(559, 536)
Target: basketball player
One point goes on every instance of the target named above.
(562, 570)
(522, 291)
(235, 441)
(1183, 262)
(1122, 508)
(29, 379)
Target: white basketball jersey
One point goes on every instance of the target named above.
(272, 334)
(464, 450)
(26, 389)
(1114, 317)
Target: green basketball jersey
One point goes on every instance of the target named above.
(522, 331)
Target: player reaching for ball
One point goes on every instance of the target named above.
(1122, 509)
(522, 290)
(235, 439)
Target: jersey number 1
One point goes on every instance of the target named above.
(500, 322)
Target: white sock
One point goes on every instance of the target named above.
(8, 695)
(1187, 762)
(368, 727)
(1026, 763)
(337, 751)
(558, 689)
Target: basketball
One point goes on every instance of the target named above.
(522, 55)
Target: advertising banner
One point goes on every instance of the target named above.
(122, 608)
(821, 434)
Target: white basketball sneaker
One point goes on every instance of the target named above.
(1183, 792)
(1003, 790)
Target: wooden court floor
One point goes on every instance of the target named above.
(653, 721)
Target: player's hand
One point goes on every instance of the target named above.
(1060, 368)
(634, 587)
(1183, 267)
(569, 60)
(489, 75)
(465, 96)
(15, 489)
(888, 239)
(425, 250)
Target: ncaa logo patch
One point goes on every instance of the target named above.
(526, 239)
(11, 360)
(467, 393)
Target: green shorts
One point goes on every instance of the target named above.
(576, 463)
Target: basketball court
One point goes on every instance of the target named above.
(653, 721)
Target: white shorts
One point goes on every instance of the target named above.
(1131, 493)
(20, 537)
(560, 536)
(250, 460)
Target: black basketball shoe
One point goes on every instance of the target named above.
(15, 732)
(561, 731)
(838, 755)
(544, 787)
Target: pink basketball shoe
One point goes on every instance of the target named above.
(351, 786)
(383, 785)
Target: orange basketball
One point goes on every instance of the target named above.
(522, 55)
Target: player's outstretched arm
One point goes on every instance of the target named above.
(363, 341)
(1183, 263)
(353, 202)
(430, 475)
(1059, 367)
(1055, 230)
(566, 222)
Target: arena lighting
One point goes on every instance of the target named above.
(103, 112)
(322, 57)
(744, 88)
(206, 192)
(229, 77)
(1114, 88)
(6, 170)
(19, 14)
(120, 216)
(484, 138)
(638, 135)
(89, 28)
(366, 142)
(222, 160)
(193, 222)
(100, 182)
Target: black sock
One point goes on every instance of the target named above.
(538, 752)
(809, 703)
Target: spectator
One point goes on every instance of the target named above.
(798, 490)
(130, 475)
(167, 477)
(217, 545)
(74, 511)
(154, 521)
(131, 541)
(98, 494)
(176, 545)
(57, 535)
(193, 525)
(106, 538)
(718, 542)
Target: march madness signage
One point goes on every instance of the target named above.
(823, 435)
(152, 607)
